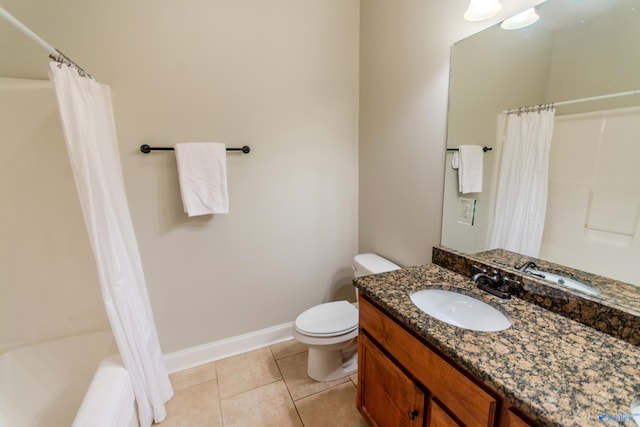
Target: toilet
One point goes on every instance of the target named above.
(330, 330)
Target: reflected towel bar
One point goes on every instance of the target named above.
(485, 149)
(146, 149)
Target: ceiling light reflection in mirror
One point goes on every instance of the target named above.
(521, 20)
(479, 10)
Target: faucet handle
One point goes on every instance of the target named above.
(510, 282)
(479, 269)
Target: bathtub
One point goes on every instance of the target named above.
(45, 384)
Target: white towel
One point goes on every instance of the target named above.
(202, 172)
(468, 160)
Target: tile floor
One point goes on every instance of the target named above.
(265, 387)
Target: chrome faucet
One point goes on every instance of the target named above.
(525, 266)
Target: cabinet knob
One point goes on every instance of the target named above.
(413, 414)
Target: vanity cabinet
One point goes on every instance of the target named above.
(402, 382)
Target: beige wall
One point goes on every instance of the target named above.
(280, 76)
(595, 58)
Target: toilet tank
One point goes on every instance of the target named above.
(365, 264)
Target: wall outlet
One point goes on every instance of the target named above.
(466, 211)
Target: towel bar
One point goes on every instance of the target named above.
(147, 149)
(485, 149)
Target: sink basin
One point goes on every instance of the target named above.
(565, 281)
(635, 410)
(460, 310)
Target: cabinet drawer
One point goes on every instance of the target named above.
(471, 403)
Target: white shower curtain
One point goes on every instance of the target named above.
(87, 121)
(521, 190)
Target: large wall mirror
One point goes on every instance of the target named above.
(576, 50)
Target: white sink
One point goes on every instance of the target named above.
(565, 281)
(635, 410)
(460, 310)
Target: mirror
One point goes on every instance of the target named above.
(576, 50)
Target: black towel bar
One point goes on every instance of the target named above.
(147, 149)
(485, 149)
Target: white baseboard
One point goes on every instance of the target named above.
(210, 352)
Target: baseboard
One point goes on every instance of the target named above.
(216, 350)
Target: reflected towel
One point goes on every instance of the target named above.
(202, 173)
(468, 160)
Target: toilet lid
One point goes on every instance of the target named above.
(332, 318)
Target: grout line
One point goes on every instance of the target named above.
(324, 390)
(219, 397)
(286, 384)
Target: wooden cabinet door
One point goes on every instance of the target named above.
(438, 417)
(516, 421)
(386, 396)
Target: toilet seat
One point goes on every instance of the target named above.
(328, 320)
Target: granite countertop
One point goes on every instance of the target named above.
(555, 370)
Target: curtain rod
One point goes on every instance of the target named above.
(572, 101)
(54, 53)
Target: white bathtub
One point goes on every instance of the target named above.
(44, 384)
(109, 401)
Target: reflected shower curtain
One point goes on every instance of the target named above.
(86, 114)
(521, 190)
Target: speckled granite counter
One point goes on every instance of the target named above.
(557, 371)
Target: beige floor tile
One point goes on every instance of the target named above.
(196, 406)
(246, 371)
(335, 407)
(287, 348)
(266, 406)
(192, 376)
(294, 372)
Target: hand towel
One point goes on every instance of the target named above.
(202, 173)
(468, 160)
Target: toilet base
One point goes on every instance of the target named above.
(331, 365)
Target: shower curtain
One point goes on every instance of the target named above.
(87, 121)
(521, 189)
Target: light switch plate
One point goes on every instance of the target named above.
(466, 211)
